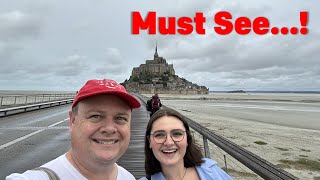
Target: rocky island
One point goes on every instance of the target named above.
(157, 76)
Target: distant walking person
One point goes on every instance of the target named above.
(149, 105)
(155, 103)
(99, 124)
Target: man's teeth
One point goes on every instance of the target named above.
(106, 142)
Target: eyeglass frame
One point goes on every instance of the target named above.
(184, 132)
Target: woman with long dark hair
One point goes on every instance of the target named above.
(171, 153)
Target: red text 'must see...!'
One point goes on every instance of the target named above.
(223, 20)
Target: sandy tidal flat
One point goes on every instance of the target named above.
(288, 123)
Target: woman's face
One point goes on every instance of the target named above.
(168, 140)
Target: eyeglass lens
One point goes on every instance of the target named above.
(161, 136)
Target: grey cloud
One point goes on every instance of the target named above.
(37, 37)
(190, 7)
(113, 56)
(113, 63)
(111, 69)
(234, 54)
(251, 61)
(17, 25)
(72, 66)
(7, 51)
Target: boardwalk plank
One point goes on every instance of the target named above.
(133, 159)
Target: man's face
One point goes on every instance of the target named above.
(100, 130)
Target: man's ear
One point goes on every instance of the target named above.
(71, 118)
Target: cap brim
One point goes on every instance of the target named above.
(131, 100)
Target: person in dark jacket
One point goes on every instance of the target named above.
(149, 105)
(155, 104)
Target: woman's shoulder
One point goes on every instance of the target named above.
(210, 169)
(208, 162)
(143, 178)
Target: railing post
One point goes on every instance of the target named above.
(15, 100)
(1, 100)
(206, 147)
(26, 100)
(225, 161)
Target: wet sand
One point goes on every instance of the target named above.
(288, 123)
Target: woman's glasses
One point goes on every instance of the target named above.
(161, 136)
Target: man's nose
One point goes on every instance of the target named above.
(108, 126)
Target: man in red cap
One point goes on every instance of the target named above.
(100, 134)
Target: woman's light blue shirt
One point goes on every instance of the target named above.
(207, 171)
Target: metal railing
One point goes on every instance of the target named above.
(235, 159)
(31, 107)
(258, 165)
(16, 100)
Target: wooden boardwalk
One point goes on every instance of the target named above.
(133, 159)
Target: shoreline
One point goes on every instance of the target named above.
(290, 97)
(288, 111)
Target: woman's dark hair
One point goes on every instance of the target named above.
(193, 156)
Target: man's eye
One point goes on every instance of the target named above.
(95, 116)
(121, 119)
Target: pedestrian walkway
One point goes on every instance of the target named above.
(133, 159)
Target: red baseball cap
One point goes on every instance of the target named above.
(105, 86)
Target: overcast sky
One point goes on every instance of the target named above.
(59, 45)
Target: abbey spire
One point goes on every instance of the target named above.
(156, 53)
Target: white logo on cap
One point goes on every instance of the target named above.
(109, 83)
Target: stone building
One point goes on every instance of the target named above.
(157, 76)
(157, 66)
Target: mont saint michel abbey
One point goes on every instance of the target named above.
(157, 76)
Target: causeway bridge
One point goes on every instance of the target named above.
(34, 133)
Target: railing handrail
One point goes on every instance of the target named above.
(32, 105)
(25, 107)
(22, 99)
(257, 164)
(23, 95)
